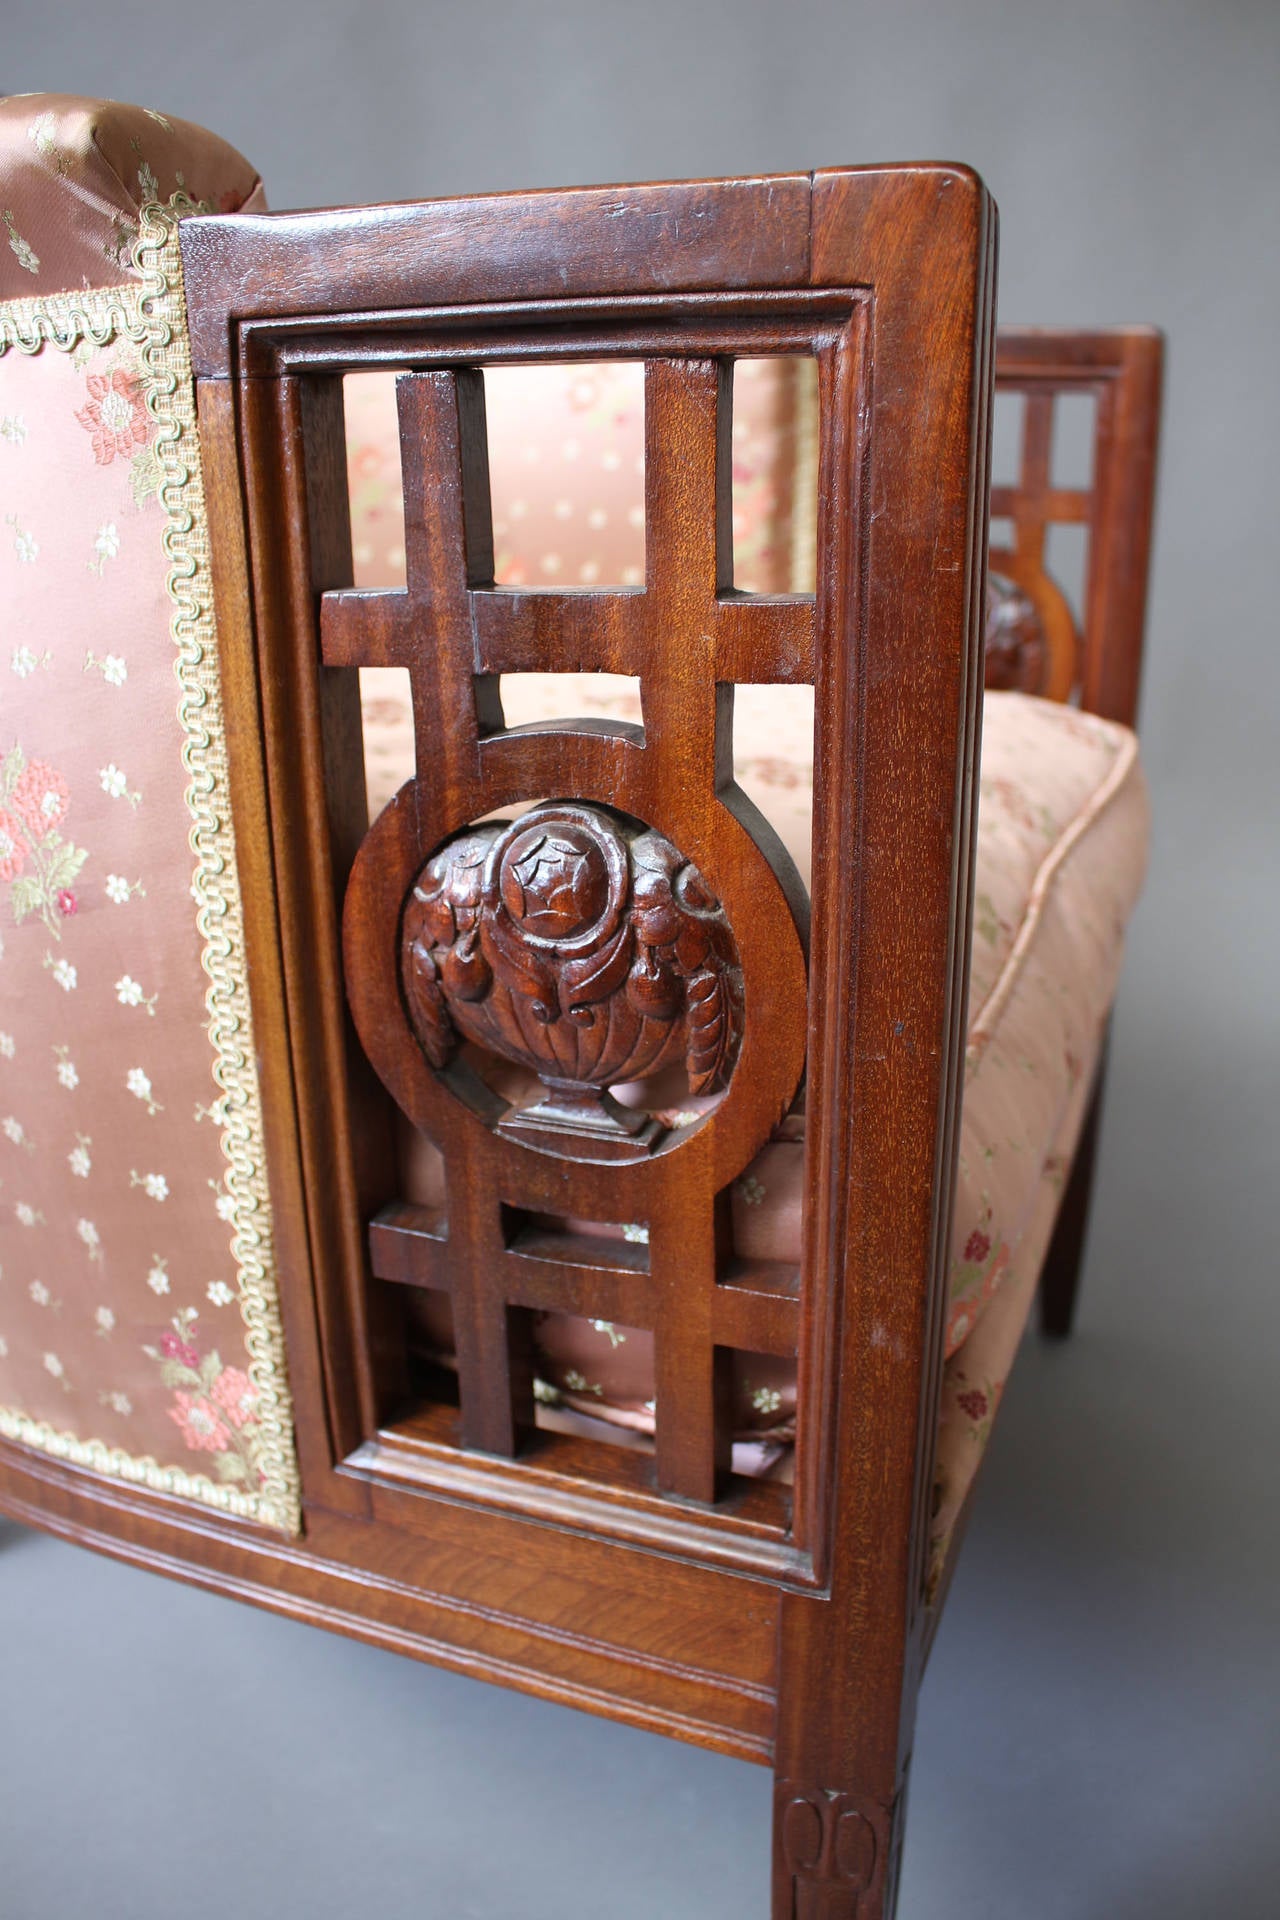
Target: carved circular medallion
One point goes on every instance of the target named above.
(576, 944)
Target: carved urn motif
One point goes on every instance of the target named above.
(579, 945)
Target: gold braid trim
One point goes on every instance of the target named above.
(152, 313)
(100, 314)
(142, 1470)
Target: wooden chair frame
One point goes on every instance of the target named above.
(790, 1630)
(1096, 657)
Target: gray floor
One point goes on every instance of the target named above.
(1100, 1730)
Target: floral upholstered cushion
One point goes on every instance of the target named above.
(139, 1334)
(1062, 830)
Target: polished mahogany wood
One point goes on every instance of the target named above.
(1034, 640)
(892, 292)
(788, 1628)
(380, 262)
(675, 778)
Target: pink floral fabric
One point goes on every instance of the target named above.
(973, 1380)
(119, 1291)
(73, 173)
(117, 1285)
(115, 415)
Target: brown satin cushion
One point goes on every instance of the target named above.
(73, 173)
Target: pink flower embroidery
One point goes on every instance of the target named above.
(978, 1245)
(776, 773)
(201, 1428)
(236, 1396)
(1012, 800)
(13, 848)
(34, 799)
(974, 1403)
(116, 415)
(174, 1348)
(41, 797)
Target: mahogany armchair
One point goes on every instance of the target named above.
(573, 956)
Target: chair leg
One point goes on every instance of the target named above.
(1060, 1275)
(835, 1856)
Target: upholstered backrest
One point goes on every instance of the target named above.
(138, 1326)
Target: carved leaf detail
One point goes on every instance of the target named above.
(427, 1008)
(653, 985)
(465, 971)
(710, 1010)
(520, 968)
(583, 982)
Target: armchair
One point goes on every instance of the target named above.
(566, 1101)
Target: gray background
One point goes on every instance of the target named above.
(1100, 1727)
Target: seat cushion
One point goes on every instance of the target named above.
(1062, 831)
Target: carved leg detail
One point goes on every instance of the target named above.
(830, 1855)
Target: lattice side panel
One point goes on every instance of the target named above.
(633, 925)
